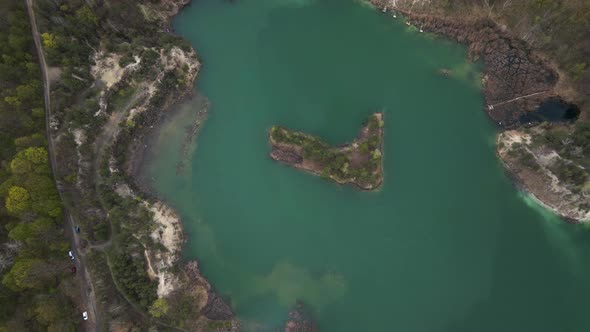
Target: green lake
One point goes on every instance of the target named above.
(447, 244)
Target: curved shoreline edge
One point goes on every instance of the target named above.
(498, 109)
(169, 231)
(530, 167)
(359, 163)
(508, 106)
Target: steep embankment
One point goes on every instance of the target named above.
(517, 80)
(166, 233)
(124, 71)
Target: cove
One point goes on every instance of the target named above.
(447, 243)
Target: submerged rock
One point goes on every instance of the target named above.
(216, 307)
(445, 72)
(300, 320)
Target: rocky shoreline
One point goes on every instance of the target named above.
(359, 163)
(300, 320)
(517, 81)
(189, 278)
(215, 307)
(530, 166)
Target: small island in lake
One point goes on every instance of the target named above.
(360, 162)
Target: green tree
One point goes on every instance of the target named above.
(28, 273)
(20, 166)
(159, 308)
(87, 16)
(21, 232)
(31, 140)
(33, 159)
(28, 93)
(50, 309)
(18, 200)
(36, 155)
(577, 70)
(44, 197)
(13, 101)
(49, 40)
(17, 41)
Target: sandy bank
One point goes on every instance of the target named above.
(537, 178)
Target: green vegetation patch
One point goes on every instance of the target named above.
(359, 162)
(36, 285)
(572, 143)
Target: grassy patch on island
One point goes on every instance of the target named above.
(360, 162)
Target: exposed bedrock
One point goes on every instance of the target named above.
(516, 78)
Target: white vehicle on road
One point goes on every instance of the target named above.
(85, 315)
(71, 254)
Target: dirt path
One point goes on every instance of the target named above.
(491, 107)
(111, 127)
(104, 140)
(87, 291)
(134, 305)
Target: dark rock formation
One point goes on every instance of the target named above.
(516, 79)
(216, 308)
(511, 69)
(300, 320)
(445, 72)
(286, 156)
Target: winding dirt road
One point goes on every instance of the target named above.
(87, 291)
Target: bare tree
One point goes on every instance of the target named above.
(8, 252)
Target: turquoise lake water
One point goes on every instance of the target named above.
(447, 244)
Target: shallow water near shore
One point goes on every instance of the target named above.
(446, 244)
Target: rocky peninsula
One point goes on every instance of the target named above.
(359, 163)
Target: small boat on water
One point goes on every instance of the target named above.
(408, 23)
(421, 29)
(394, 15)
(384, 9)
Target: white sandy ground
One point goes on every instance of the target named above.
(167, 225)
(168, 232)
(79, 138)
(175, 58)
(560, 199)
(53, 73)
(107, 68)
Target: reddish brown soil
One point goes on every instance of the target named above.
(357, 159)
